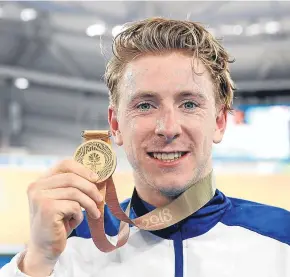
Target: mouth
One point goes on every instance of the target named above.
(167, 157)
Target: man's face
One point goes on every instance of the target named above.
(167, 121)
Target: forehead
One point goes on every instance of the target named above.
(165, 73)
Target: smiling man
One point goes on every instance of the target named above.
(170, 92)
(167, 119)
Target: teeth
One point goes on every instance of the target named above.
(167, 156)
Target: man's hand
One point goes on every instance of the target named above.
(55, 202)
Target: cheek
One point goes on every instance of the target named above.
(138, 135)
(134, 137)
(132, 133)
(138, 127)
(202, 135)
(208, 138)
(129, 134)
(128, 130)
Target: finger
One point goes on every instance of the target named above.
(73, 194)
(71, 212)
(67, 180)
(72, 166)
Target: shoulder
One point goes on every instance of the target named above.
(263, 219)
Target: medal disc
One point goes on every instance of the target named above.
(97, 156)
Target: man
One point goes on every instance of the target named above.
(170, 91)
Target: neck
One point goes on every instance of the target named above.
(153, 196)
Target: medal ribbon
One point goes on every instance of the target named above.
(186, 204)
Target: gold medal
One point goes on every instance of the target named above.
(98, 156)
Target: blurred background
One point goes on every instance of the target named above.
(52, 60)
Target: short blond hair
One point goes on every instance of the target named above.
(154, 35)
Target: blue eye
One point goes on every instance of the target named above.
(189, 105)
(144, 106)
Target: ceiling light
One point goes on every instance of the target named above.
(96, 30)
(231, 29)
(254, 29)
(21, 83)
(237, 30)
(117, 30)
(28, 14)
(272, 27)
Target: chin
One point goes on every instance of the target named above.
(174, 178)
(176, 185)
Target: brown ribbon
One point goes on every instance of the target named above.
(186, 204)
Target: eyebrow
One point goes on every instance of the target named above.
(197, 94)
(142, 95)
(145, 95)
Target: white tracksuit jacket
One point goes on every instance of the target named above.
(226, 238)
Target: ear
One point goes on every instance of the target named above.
(114, 126)
(220, 126)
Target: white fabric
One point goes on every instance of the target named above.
(224, 251)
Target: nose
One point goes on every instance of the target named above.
(168, 126)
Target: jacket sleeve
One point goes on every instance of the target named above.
(71, 263)
(11, 269)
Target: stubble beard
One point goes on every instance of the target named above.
(143, 178)
(170, 192)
